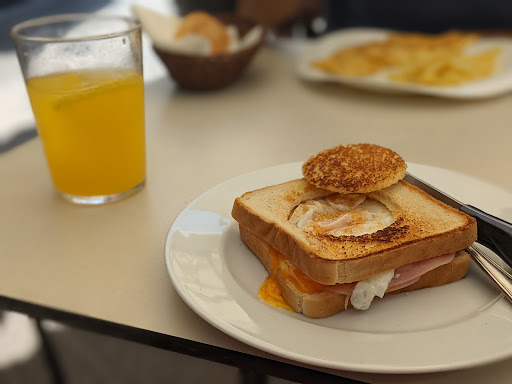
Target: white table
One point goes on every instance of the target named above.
(102, 268)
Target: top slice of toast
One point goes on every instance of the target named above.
(423, 227)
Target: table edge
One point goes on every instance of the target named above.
(175, 344)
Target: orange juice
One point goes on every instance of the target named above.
(92, 127)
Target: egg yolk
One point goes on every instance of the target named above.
(271, 293)
(270, 290)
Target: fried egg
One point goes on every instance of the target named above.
(342, 215)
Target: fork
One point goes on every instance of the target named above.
(496, 272)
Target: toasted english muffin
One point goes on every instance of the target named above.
(356, 168)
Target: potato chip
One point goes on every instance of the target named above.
(416, 58)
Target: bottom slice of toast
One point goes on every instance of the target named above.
(325, 304)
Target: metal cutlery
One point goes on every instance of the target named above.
(498, 274)
(493, 232)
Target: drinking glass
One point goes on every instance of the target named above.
(83, 74)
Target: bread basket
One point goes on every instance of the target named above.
(202, 73)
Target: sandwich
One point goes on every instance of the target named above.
(349, 231)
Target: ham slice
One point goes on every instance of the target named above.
(404, 276)
(342, 289)
(400, 286)
(414, 270)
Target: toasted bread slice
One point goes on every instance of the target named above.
(355, 168)
(423, 227)
(324, 304)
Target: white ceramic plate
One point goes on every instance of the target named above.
(463, 324)
(498, 83)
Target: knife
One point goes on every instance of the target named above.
(493, 232)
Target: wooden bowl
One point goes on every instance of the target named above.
(202, 73)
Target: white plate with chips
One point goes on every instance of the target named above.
(498, 83)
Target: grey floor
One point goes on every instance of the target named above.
(87, 357)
